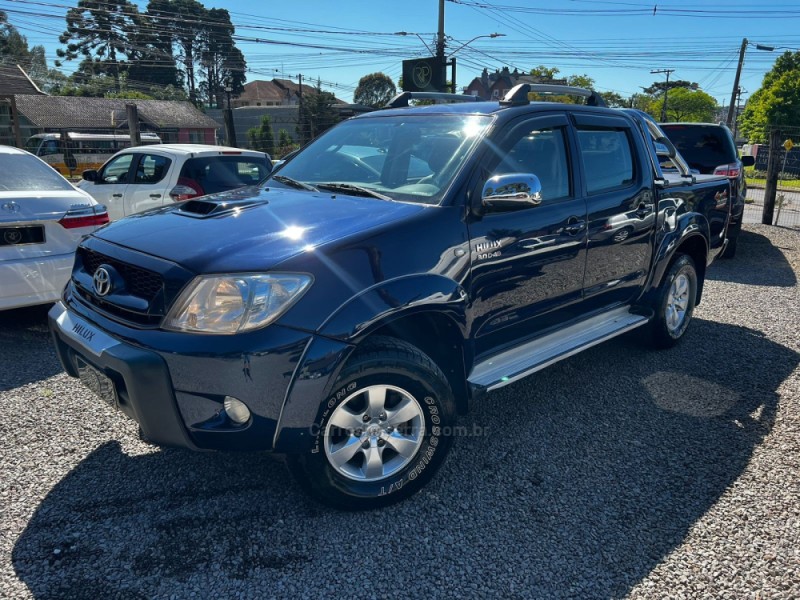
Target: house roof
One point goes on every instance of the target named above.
(14, 80)
(277, 90)
(262, 90)
(74, 112)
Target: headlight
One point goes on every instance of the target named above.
(234, 303)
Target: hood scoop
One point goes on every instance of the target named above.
(207, 208)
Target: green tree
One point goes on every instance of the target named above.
(581, 81)
(317, 114)
(99, 30)
(152, 61)
(777, 102)
(14, 50)
(545, 74)
(285, 143)
(658, 87)
(615, 100)
(261, 137)
(684, 104)
(183, 21)
(221, 61)
(374, 90)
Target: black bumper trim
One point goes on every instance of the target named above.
(143, 384)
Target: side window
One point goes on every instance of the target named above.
(116, 170)
(542, 152)
(152, 169)
(49, 147)
(607, 159)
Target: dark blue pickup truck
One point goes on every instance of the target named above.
(404, 263)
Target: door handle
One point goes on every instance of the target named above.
(155, 195)
(536, 243)
(116, 195)
(574, 226)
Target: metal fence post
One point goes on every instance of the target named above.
(773, 170)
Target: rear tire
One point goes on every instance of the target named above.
(383, 433)
(675, 302)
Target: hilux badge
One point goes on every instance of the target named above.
(102, 282)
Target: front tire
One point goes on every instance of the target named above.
(381, 435)
(675, 302)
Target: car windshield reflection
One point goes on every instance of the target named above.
(411, 158)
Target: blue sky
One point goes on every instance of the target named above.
(616, 42)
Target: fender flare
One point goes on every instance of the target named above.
(310, 392)
(688, 226)
(387, 301)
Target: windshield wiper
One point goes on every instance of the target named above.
(294, 183)
(355, 190)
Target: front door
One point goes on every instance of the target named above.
(148, 187)
(528, 264)
(111, 184)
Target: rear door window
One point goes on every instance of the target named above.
(152, 168)
(214, 174)
(607, 159)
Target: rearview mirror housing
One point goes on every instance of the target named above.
(512, 190)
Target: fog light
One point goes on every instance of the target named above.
(236, 410)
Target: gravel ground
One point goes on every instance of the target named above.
(621, 472)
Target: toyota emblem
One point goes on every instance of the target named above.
(12, 236)
(102, 282)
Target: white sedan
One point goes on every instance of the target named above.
(42, 219)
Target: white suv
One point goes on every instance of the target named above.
(147, 177)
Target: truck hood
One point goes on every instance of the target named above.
(251, 229)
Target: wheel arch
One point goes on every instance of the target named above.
(427, 311)
(690, 237)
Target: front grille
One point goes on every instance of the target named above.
(139, 282)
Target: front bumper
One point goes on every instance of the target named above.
(173, 385)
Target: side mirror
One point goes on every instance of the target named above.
(512, 190)
(90, 175)
(748, 161)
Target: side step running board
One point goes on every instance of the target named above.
(516, 363)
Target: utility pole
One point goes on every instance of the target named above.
(732, 107)
(666, 91)
(230, 128)
(738, 108)
(300, 109)
(440, 59)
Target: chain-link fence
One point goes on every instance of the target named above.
(782, 201)
(787, 206)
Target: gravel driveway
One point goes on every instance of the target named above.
(621, 472)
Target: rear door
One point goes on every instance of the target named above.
(528, 263)
(618, 191)
(149, 184)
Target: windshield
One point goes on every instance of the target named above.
(409, 157)
(24, 173)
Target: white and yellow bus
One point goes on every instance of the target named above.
(86, 150)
